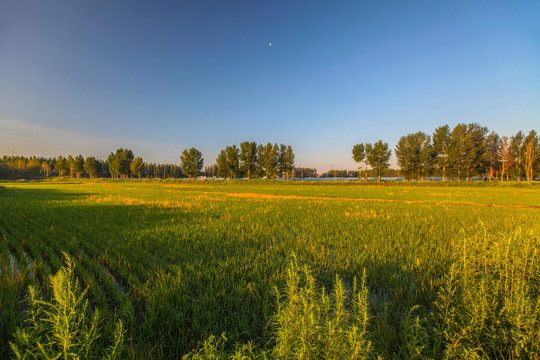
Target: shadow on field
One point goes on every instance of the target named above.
(18, 194)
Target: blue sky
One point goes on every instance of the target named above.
(159, 76)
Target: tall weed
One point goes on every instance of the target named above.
(63, 327)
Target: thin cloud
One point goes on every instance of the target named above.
(31, 139)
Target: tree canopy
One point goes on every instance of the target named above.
(378, 156)
(192, 162)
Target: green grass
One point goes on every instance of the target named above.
(450, 271)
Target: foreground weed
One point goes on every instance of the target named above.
(311, 324)
(489, 306)
(61, 328)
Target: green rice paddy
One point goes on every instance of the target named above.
(449, 271)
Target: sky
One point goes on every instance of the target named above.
(88, 77)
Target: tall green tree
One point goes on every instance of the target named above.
(136, 167)
(359, 155)
(46, 168)
(504, 152)
(479, 164)
(90, 167)
(377, 156)
(119, 162)
(409, 154)
(287, 161)
(268, 160)
(493, 145)
(191, 162)
(222, 165)
(457, 151)
(233, 161)
(248, 158)
(517, 154)
(427, 158)
(77, 166)
(441, 140)
(61, 166)
(70, 160)
(531, 153)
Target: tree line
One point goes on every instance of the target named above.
(255, 160)
(464, 152)
(121, 164)
(248, 160)
(461, 153)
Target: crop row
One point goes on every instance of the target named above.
(179, 266)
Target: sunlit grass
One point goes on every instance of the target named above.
(180, 264)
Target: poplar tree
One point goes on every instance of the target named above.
(457, 151)
(504, 151)
(119, 162)
(441, 140)
(222, 166)
(359, 154)
(232, 161)
(288, 161)
(76, 166)
(493, 145)
(136, 166)
(70, 165)
(61, 166)
(377, 156)
(409, 154)
(90, 167)
(268, 160)
(530, 154)
(191, 162)
(517, 151)
(248, 157)
(46, 168)
(476, 139)
(427, 157)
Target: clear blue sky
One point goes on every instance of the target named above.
(159, 76)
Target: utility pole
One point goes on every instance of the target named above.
(12, 151)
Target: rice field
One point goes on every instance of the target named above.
(280, 270)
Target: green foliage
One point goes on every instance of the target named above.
(178, 261)
(90, 167)
(214, 348)
(232, 161)
(441, 140)
(409, 154)
(286, 161)
(192, 162)
(489, 304)
(136, 166)
(76, 166)
(119, 162)
(62, 328)
(377, 156)
(359, 154)
(311, 324)
(268, 160)
(248, 158)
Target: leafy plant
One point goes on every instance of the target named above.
(63, 328)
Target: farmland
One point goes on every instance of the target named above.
(448, 271)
